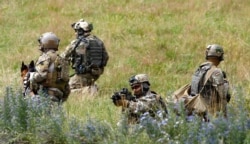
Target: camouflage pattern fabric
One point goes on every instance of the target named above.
(82, 80)
(44, 76)
(151, 104)
(214, 92)
(88, 78)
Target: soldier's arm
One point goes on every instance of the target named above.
(226, 87)
(42, 68)
(142, 105)
(218, 82)
(69, 50)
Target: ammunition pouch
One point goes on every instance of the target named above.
(80, 69)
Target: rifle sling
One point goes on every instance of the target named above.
(207, 76)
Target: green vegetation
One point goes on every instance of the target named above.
(164, 38)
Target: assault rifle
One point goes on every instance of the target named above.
(123, 92)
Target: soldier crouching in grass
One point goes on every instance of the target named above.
(143, 104)
(49, 75)
(88, 56)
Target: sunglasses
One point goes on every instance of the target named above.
(135, 86)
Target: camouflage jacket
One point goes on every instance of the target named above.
(151, 104)
(45, 74)
(216, 90)
(44, 66)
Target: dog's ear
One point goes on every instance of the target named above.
(23, 67)
(32, 64)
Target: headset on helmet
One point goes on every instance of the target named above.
(49, 40)
(84, 25)
(215, 50)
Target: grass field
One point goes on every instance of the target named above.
(165, 39)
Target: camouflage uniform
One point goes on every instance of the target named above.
(44, 77)
(88, 78)
(143, 104)
(149, 105)
(216, 90)
(79, 47)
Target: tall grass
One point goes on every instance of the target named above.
(163, 38)
(23, 121)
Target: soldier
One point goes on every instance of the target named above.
(210, 81)
(88, 56)
(143, 102)
(48, 74)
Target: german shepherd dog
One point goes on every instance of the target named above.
(25, 69)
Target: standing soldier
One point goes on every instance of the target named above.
(210, 81)
(142, 103)
(50, 74)
(88, 56)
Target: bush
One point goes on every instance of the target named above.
(26, 121)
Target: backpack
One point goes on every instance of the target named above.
(94, 55)
(62, 70)
(198, 78)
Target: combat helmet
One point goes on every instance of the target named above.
(215, 50)
(140, 79)
(82, 26)
(48, 40)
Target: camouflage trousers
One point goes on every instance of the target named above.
(82, 80)
(55, 94)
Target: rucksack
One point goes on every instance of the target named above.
(62, 70)
(92, 57)
(198, 78)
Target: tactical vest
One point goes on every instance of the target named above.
(198, 78)
(89, 54)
